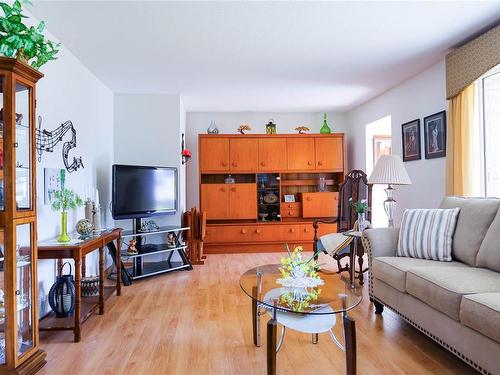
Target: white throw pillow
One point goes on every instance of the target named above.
(427, 234)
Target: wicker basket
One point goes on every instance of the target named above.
(90, 286)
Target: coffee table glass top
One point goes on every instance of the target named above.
(333, 297)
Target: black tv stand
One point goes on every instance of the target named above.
(154, 259)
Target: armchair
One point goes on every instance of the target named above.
(355, 186)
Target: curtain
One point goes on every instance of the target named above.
(461, 168)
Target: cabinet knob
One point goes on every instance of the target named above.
(306, 230)
(222, 189)
(223, 163)
(289, 213)
(291, 230)
(257, 231)
(309, 163)
(308, 198)
(233, 189)
(320, 163)
(290, 206)
(262, 163)
(234, 164)
(243, 231)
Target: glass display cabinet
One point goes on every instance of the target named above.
(19, 346)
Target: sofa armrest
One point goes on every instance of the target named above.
(381, 241)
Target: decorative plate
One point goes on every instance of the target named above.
(270, 198)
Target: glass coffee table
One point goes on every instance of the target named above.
(303, 309)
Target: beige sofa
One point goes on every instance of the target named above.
(456, 303)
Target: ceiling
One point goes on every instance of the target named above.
(262, 56)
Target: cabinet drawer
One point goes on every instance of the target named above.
(289, 233)
(307, 231)
(226, 234)
(291, 209)
(320, 204)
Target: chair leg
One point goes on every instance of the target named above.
(379, 308)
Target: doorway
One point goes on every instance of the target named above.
(378, 142)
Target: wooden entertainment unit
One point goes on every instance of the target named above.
(244, 179)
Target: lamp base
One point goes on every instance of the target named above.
(390, 205)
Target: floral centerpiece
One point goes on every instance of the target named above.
(361, 208)
(300, 279)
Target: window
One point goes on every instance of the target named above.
(489, 105)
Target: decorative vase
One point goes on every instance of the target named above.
(63, 237)
(325, 129)
(322, 184)
(362, 222)
(212, 129)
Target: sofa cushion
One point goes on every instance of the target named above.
(476, 215)
(489, 252)
(427, 234)
(443, 287)
(482, 313)
(392, 270)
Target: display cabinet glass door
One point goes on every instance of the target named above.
(22, 147)
(24, 287)
(2, 298)
(2, 127)
(268, 193)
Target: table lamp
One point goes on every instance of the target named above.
(391, 171)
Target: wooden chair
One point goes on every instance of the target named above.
(355, 186)
(197, 222)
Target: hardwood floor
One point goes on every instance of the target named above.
(199, 322)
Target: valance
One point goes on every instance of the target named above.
(469, 62)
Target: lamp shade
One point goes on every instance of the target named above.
(389, 170)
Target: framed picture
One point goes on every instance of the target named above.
(435, 135)
(411, 140)
(52, 183)
(289, 198)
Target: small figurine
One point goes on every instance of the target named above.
(243, 128)
(302, 129)
(132, 250)
(171, 240)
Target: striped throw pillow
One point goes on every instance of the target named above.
(427, 234)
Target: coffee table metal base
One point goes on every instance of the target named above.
(307, 324)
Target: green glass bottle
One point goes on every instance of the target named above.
(325, 129)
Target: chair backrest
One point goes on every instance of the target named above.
(355, 186)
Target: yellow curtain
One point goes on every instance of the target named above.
(460, 143)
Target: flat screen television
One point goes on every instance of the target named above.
(142, 191)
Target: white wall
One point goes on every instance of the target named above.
(69, 91)
(228, 122)
(418, 97)
(147, 131)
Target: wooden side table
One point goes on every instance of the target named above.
(77, 250)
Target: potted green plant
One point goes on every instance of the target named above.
(26, 43)
(63, 200)
(361, 208)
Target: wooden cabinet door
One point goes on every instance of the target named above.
(330, 154)
(300, 154)
(215, 200)
(321, 204)
(214, 154)
(272, 154)
(243, 154)
(243, 201)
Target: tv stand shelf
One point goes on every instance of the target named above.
(154, 259)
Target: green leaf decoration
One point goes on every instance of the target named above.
(17, 38)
